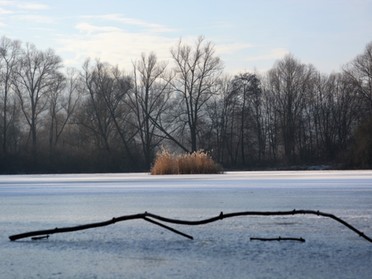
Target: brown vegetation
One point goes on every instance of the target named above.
(197, 162)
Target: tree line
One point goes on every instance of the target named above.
(101, 118)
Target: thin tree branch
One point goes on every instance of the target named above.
(146, 216)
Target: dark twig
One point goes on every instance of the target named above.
(152, 217)
(278, 239)
(40, 237)
(168, 228)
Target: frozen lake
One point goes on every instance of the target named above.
(138, 249)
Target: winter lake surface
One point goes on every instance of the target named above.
(223, 249)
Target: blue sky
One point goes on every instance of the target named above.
(248, 35)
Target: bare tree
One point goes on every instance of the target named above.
(9, 55)
(36, 77)
(224, 112)
(196, 72)
(289, 82)
(115, 87)
(271, 123)
(149, 101)
(94, 114)
(104, 111)
(359, 74)
(246, 89)
(347, 111)
(62, 103)
(359, 71)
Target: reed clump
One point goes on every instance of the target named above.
(198, 162)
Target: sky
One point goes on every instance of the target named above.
(249, 35)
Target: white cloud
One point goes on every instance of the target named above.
(20, 11)
(89, 28)
(148, 26)
(120, 47)
(230, 48)
(6, 3)
(112, 45)
(34, 18)
(32, 6)
(273, 54)
(23, 5)
(5, 11)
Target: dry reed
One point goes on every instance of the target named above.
(195, 163)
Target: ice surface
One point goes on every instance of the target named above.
(137, 249)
